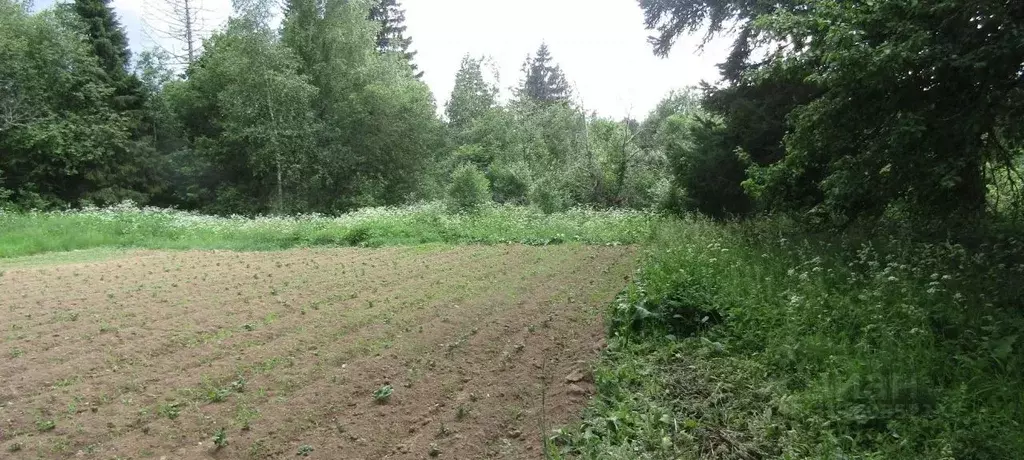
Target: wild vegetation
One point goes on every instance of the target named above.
(155, 228)
(757, 340)
(830, 237)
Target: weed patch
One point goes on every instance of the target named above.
(753, 340)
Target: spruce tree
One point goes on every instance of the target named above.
(391, 37)
(300, 31)
(544, 82)
(109, 43)
(472, 96)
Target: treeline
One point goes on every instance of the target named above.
(836, 112)
(325, 113)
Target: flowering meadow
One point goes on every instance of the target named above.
(129, 226)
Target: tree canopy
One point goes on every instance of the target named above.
(850, 110)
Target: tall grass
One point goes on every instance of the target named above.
(128, 226)
(757, 341)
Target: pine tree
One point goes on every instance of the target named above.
(391, 37)
(543, 81)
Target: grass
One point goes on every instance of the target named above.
(130, 227)
(755, 340)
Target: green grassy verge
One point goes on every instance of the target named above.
(753, 341)
(126, 227)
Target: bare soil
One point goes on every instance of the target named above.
(149, 354)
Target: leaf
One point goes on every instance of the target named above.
(1003, 347)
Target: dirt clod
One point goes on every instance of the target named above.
(575, 390)
(574, 376)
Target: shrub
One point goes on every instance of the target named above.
(705, 166)
(469, 190)
(510, 183)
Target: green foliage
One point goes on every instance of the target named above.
(543, 81)
(220, 439)
(264, 109)
(383, 394)
(311, 119)
(469, 189)
(551, 155)
(704, 165)
(510, 182)
(546, 197)
(678, 102)
(391, 36)
(805, 346)
(169, 410)
(1006, 194)
(43, 425)
(869, 111)
(472, 97)
(129, 227)
(930, 137)
(61, 140)
(110, 46)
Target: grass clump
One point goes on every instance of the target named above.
(754, 340)
(126, 226)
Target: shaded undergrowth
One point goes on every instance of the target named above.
(754, 340)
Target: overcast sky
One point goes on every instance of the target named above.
(600, 44)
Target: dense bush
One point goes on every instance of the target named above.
(510, 183)
(469, 189)
(705, 165)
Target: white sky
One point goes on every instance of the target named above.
(600, 44)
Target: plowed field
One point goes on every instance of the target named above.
(149, 354)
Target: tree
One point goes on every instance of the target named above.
(889, 105)
(751, 114)
(676, 102)
(108, 39)
(391, 36)
(301, 32)
(543, 82)
(672, 18)
(177, 21)
(255, 126)
(472, 96)
(916, 100)
(380, 136)
(704, 165)
(61, 141)
(110, 45)
(469, 189)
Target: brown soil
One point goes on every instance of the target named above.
(149, 355)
